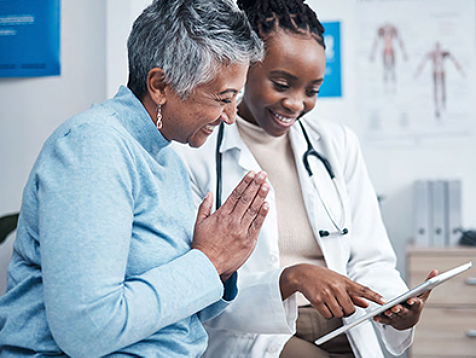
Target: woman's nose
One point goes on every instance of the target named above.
(294, 103)
(229, 113)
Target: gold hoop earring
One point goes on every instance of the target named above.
(159, 117)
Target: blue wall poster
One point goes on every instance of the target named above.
(29, 38)
(332, 85)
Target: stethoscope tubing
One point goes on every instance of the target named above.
(309, 152)
(218, 161)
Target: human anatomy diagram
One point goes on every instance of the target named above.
(389, 37)
(438, 57)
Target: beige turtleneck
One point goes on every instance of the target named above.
(297, 243)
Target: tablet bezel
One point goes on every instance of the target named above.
(414, 292)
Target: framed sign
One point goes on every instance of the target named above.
(29, 38)
(332, 85)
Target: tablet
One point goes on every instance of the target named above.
(416, 291)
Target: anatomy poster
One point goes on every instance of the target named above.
(416, 69)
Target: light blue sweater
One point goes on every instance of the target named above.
(102, 263)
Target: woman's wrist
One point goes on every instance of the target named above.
(288, 282)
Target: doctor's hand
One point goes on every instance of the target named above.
(332, 294)
(405, 315)
(229, 235)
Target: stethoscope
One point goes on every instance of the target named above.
(310, 152)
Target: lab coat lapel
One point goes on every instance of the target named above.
(233, 145)
(234, 150)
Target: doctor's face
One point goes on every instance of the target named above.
(285, 85)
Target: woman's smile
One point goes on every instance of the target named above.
(210, 127)
(283, 119)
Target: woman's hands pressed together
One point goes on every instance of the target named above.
(229, 235)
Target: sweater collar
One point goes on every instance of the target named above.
(132, 114)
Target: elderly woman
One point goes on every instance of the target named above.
(109, 258)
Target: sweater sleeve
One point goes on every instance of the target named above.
(94, 307)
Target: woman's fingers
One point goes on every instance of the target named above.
(229, 235)
(402, 316)
(205, 208)
(359, 301)
(253, 211)
(333, 294)
(346, 303)
(406, 314)
(325, 312)
(237, 193)
(258, 221)
(426, 294)
(243, 197)
(356, 295)
(356, 290)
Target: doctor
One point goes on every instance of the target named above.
(323, 245)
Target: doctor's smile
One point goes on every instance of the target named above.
(283, 119)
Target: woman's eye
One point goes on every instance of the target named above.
(280, 86)
(312, 93)
(225, 100)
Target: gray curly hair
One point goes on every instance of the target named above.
(190, 40)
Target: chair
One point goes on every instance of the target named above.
(8, 224)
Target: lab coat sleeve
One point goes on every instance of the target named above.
(372, 258)
(259, 307)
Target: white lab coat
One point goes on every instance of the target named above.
(259, 323)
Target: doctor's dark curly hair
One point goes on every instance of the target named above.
(266, 16)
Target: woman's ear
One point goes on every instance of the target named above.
(156, 86)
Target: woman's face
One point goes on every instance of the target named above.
(284, 86)
(192, 120)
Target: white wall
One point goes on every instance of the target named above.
(31, 108)
(119, 18)
(393, 169)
